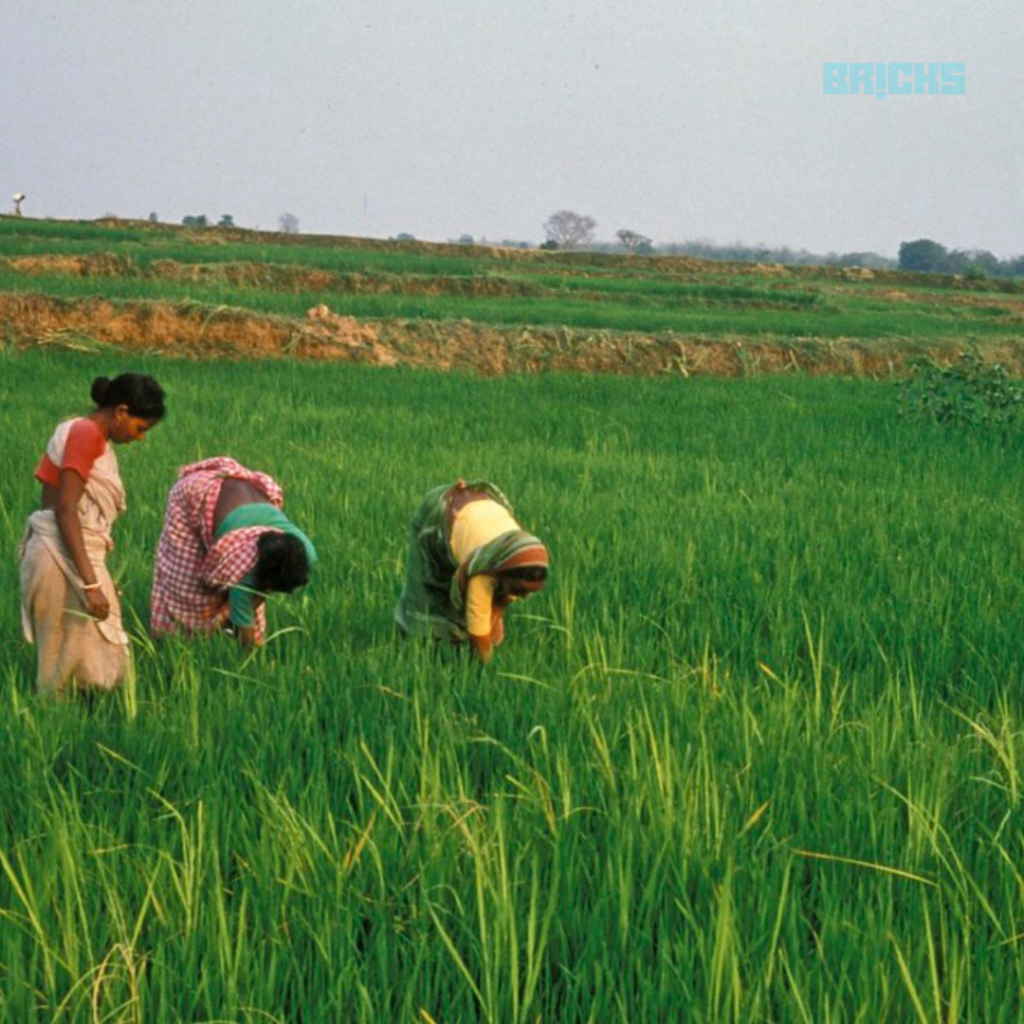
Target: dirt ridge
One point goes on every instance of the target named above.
(191, 330)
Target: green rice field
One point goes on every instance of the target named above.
(756, 754)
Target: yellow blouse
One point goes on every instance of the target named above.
(474, 524)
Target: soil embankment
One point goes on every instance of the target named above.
(196, 331)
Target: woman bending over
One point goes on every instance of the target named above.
(225, 545)
(468, 560)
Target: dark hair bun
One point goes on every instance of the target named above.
(98, 391)
(141, 395)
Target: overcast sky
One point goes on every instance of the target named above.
(679, 119)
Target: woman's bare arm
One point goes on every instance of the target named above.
(481, 647)
(69, 492)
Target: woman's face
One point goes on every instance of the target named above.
(511, 588)
(126, 428)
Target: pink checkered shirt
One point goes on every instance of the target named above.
(193, 573)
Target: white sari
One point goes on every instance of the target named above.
(71, 644)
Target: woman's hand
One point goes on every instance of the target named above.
(96, 603)
(481, 647)
(247, 636)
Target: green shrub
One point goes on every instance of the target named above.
(968, 393)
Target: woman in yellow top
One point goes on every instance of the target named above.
(468, 560)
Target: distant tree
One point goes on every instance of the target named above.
(195, 221)
(465, 240)
(569, 230)
(925, 256)
(226, 221)
(987, 261)
(631, 240)
(959, 262)
(708, 250)
(550, 245)
(153, 218)
(288, 223)
(404, 236)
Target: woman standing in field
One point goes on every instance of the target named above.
(468, 560)
(70, 607)
(225, 544)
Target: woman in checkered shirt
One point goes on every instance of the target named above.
(225, 545)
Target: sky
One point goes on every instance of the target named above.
(677, 119)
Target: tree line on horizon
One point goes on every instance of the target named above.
(568, 230)
(931, 257)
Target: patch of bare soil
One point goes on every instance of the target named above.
(92, 265)
(199, 332)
